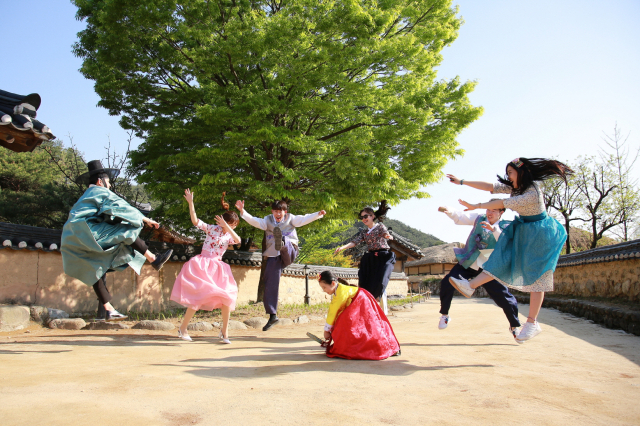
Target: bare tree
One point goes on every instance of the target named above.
(566, 199)
(627, 197)
(598, 183)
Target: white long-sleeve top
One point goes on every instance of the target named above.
(296, 220)
(469, 218)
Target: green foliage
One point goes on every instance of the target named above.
(35, 188)
(328, 104)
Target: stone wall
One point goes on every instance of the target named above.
(620, 279)
(36, 277)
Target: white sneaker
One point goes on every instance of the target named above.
(529, 331)
(514, 332)
(462, 286)
(444, 322)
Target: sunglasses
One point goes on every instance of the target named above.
(364, 216)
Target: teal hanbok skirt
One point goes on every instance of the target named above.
(527, 252)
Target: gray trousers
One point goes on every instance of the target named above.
(272, 273)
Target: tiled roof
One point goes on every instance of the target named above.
(621, 251)
(19, 129)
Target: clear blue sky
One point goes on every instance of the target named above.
(552, 77)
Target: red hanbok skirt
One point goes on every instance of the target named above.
(362, 331)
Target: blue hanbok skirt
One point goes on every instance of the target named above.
(527, 252)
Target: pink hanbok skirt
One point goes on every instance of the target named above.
(205, 282)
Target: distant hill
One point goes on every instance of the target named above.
(581, 240)
(416, 236)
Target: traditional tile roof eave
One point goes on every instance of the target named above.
(19, 129)
(616, 252)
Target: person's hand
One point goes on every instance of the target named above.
(188, 195)
(487, 226)
(453, 179)
(388, 236)
(322, 212)
(442, 209)
(338, 250)
(327, 335)
(152, 223)
(240, 206)
(468, 205)
(220, 221)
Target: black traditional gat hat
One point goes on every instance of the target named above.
(95, 167)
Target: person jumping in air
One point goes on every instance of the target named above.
(205, 281)
(487, 228)
(102, 234)
(281, 248)
(527, 252)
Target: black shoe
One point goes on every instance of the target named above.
(277, 235)
(161, 259)
(114, 316)
(270, 324)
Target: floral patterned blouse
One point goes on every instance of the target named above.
(530, 203)
(217, 239)
(373, 237)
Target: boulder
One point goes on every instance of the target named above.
(302, 319)
(14, 317)
(67, 323)
(216, 324)
(236, 325)
(200, 326)
(39, 314)
(103, 325)
(57, 314)
(256, 322)
(154, 325)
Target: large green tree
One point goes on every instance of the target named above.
(37, 188)
(329, 104)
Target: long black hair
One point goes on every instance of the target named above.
(380, 214)
(531, 170)
(328, 277)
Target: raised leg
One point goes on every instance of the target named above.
(505, 300)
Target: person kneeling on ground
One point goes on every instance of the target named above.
(356, 327)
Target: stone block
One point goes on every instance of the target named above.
(14, 317)
(236, 325)
(256, 322)
(302, 319)
(154, 325)
(200, 326)
(39, 314)
(67, 323)
(285, 321)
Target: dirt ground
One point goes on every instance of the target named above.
(575, 372)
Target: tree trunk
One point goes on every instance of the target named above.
(567, 227)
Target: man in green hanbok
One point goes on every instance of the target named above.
(102, 235)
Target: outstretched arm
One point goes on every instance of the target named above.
(344, 247)
(253, 221)
(495, 204)
(188, 195)
(299, 221)
(483, 186)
